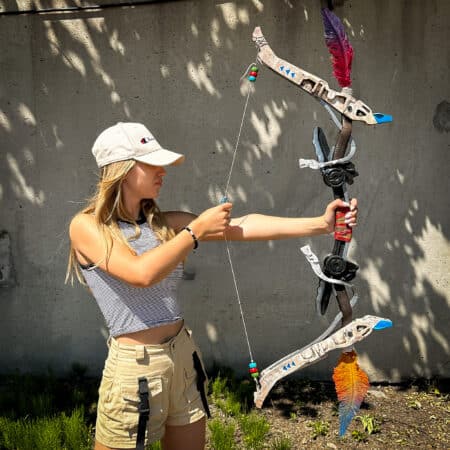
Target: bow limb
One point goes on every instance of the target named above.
(342, 102)
(355, 331)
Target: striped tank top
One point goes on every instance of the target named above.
(126, 308)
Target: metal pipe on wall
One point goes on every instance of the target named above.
(71, 9)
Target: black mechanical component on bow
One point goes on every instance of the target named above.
(334, 266)
(337, 177)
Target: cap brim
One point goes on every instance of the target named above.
(161, 157)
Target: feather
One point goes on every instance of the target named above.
(339, 46)
(351, 384)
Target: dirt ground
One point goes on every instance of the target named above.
(410, 416)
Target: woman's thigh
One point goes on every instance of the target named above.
(186, 437)
(99, 446)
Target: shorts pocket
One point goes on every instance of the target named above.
(130, 404)
(105, 391)
(191, 393)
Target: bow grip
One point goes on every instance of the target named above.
(342, 232)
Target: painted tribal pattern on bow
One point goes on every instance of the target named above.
(336, 272)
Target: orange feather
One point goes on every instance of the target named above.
(351, 384)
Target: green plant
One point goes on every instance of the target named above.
(359, 436)
(154, 446)
(76, 432)
(9, 433)
(369, 423)
(46, 433)
(254, 428)
(415, 404)
(222, 435)
(219, 387)
(222, 385)
(319, 428)
(230, 405)
(282, 443)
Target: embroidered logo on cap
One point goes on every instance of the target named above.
(145, 140)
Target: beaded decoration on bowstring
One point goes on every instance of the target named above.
(251, 73)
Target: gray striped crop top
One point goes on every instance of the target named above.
(126, 308)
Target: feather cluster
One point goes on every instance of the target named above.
(351, 384)
(339, 46)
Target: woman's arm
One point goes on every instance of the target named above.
(177, 220)
(259, 227)
(255, 227)
(137, 270)
(153, 265)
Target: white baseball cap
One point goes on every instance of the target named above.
(127, 140)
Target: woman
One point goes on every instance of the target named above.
(130, 254)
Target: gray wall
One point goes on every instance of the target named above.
(176, 66)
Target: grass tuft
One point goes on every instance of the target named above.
(255, 429)
(282, 443)
(319, 428)
(222, 435)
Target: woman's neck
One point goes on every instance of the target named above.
(132, 204)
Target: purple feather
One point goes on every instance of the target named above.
(339, 46)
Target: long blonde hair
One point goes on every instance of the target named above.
(106, 206)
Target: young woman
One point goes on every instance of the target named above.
(130, 255)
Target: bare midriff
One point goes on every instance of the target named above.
(152, 336)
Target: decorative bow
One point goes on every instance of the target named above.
(337, 272)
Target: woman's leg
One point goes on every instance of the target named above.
(186, 437)
(99, 446)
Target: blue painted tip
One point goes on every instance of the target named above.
(224, 199)
(382, 324)
(382, 118)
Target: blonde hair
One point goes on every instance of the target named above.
(106, 206)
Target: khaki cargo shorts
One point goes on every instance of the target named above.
(172, 385)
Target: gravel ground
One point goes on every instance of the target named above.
(413, 416)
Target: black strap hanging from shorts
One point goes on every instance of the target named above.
(144, 412)
(201, 378)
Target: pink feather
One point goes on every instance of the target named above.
(339, 46)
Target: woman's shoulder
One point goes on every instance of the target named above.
(81, 224)
(82, 219)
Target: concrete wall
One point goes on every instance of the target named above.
(176, 66)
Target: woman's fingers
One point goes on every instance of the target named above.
(351, 216)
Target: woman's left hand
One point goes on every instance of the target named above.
(350, 217)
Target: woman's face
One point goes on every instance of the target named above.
(144, 181)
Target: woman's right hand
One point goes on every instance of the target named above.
(211, 221)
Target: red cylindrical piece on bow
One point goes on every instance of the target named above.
(342, 232)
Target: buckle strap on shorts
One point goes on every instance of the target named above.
(201, 378)
(144, 412)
